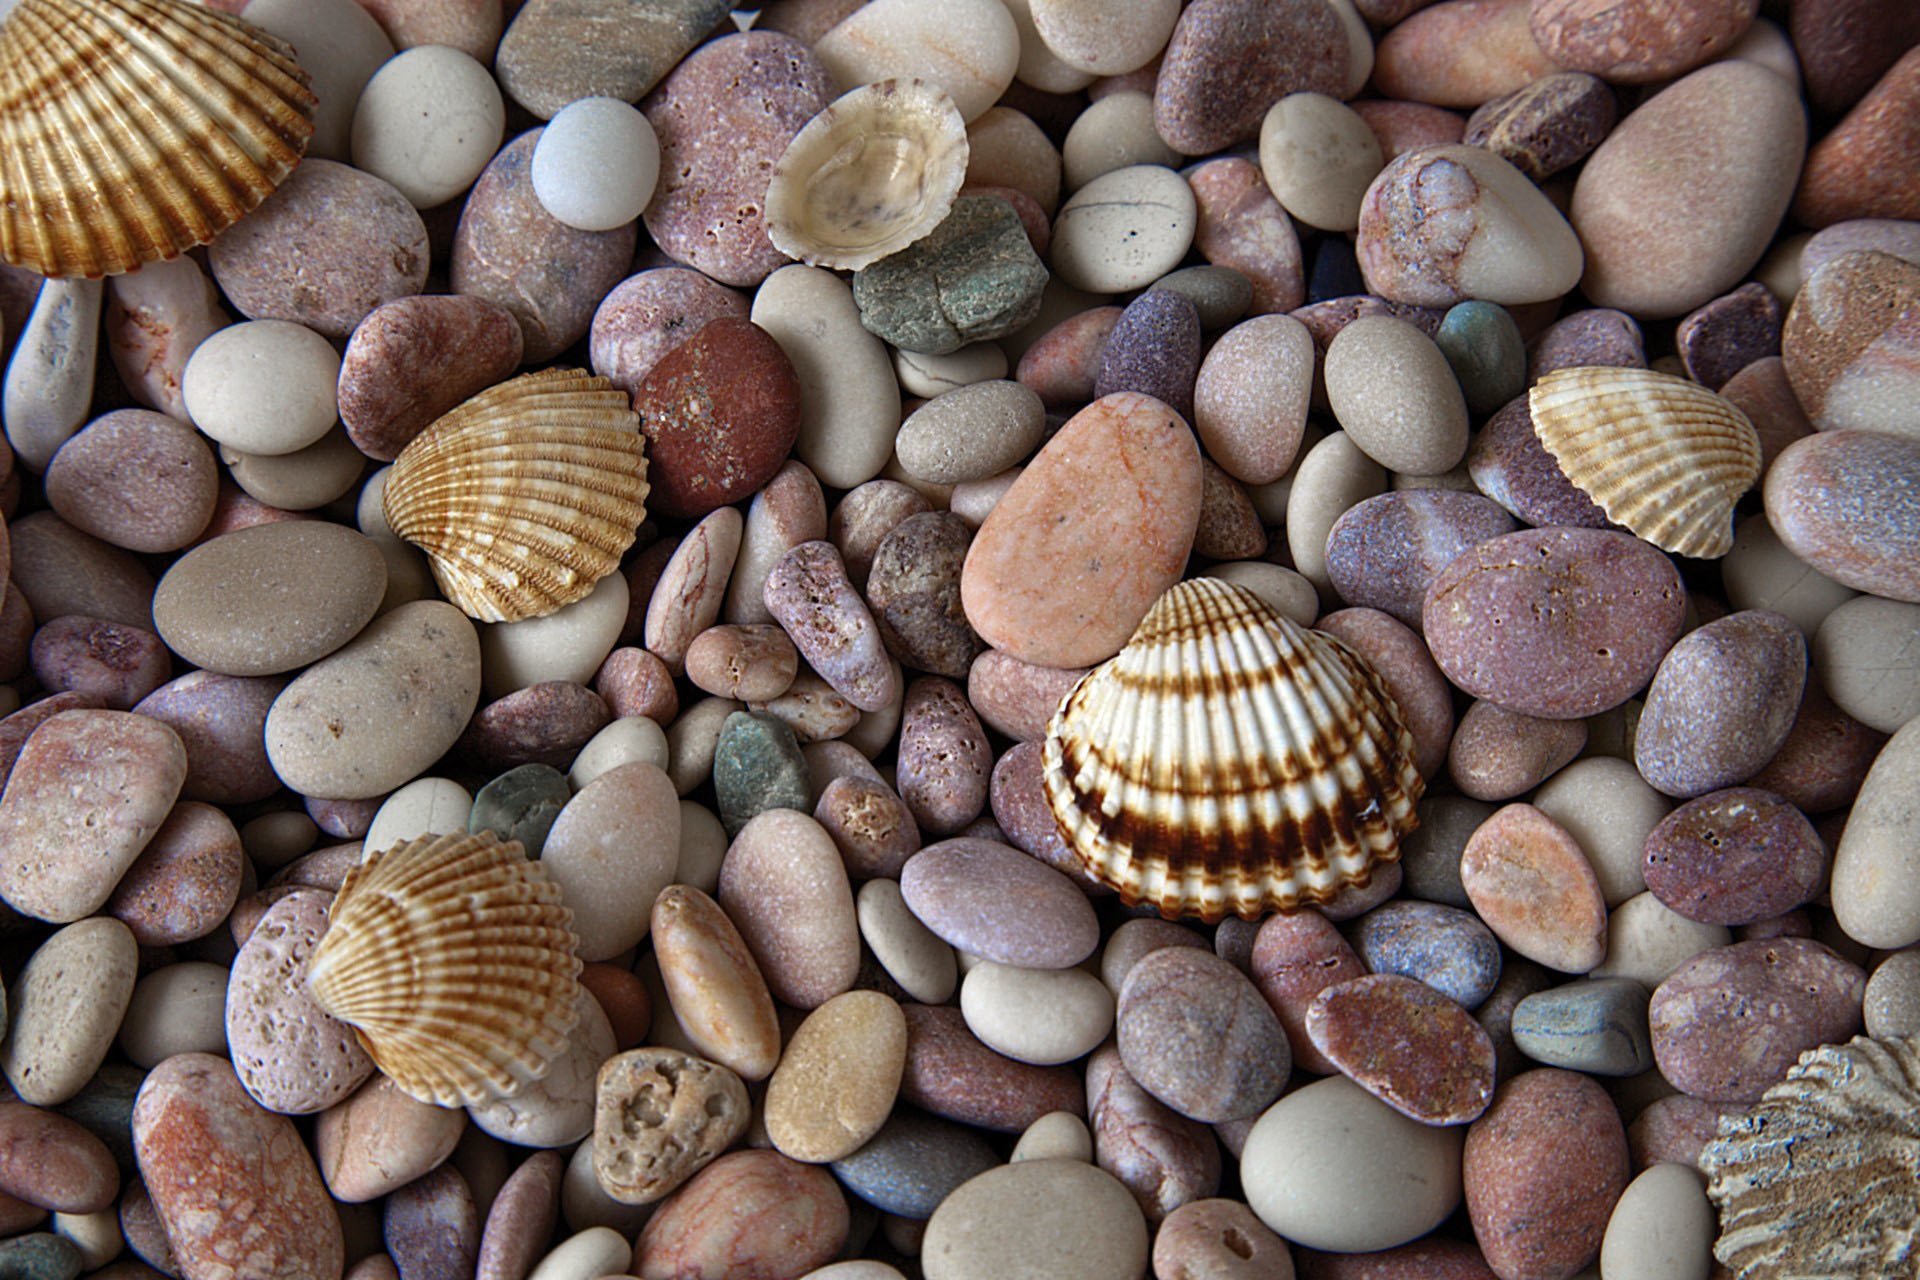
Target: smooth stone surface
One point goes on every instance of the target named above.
(757, 768)
(1124, 229)
(951, 1074)
(65, 1006)
(785, 887)
(612, 849)
(1407, 1045)
(997, 903)
(1041, 581)
(1647, 940)
(1876, 883)
(1508, 463)
(1662, 1226)
(1679, 202)
(269, 599)
(1534, 887)
(1242, 227)
(837, 1081)
(1447, 948)
(264, 388)
(1863, 168)
(1734, 857)
(1606, 805)
(380, 1139)
(47, 390)
(1164, 1158)
(1865, 655)
(1386, 551)
(914, 1163)
(971, 432)
(718, 998)
(137, 479)
(597, 164)
(1721, 703)
(849, 398)
(1395, 396)
(1844, 502)
(1599, 1027)
(558, 51)
(413, 359)
(1058, 1218)
(1042, 1016)
(1498, 754)
(1296, 957)
(1318, 156)
(522, 804)
(1228, 61)
(649, 314)
(1849, 341)
(427, 123)
(1251, 397)
(720, 413)
(1460, 53)
(155, 318)
(1637, 44)
(750, 1213)
(1197, 1035)
(1331, 1167)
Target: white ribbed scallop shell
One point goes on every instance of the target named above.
(1230, 761)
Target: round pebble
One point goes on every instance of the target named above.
(428, 122)
(1251, 396)
(596, 164)
(137, 479)
(264, 387)
(1197, 1035)
(1721, 703)
(1059, 1218)
(1124, 229)
(1043, 1016)
(1319, 157)
(1734, 857)
(1396, 397)
(1533, 886)
(1448, 949)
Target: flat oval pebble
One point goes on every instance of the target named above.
(1497, 754)
(1332, 1167)
(185, 882)
(1543, 1168)
(849, 398)
(1043, 1016)
(612, 849)
(1532, 884)
(1197, 1035)
(232, 1183)
(1406, 1044)
(1844, 502)
(1729, 1022)
(1296, 957)
(717, 994)
(996, 902)
(914, 1163)
(1386, 551)
(1864, 654)
(137, 479)
(419, 665)
(413, 359)
(837, 1081)
(971, 432)
(1124, 229)
(749, 1213)
(1228, 60)
(1059, 1218)
(1395, 396)
(1047, 579)
(952, 1074)
(48, 1161)
(1599, 1027)
(1251, 397)
(66, 1003)
(1450, 950)
(1733, 857)
(785, 887)
(1679, 202)
(1721, 703)
(1521, 619)
(266, 387)
(272, 598)
(380, 1139)
(291, 1055)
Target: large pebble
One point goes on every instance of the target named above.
(1396, 397)
(1460, 53)
(1057, 1218)
(996, 902)
(291, 1055)
(376, 713)
(1197, 1035)
(1089, 536)
(1848, 342)
(950, 1073)
(137, 479)
(380, 1139)
(914, 1163)
(1662, 1226)
(1863, 168)
(88, 791)
(661, 1116)
(233, 1184)
(1729, 1022)
(723, 118)
(1734, 857)
(1848, 504)
(1637, 44)
(50, 1162)
(1721, 703)
(413, 359)
(785, 887)
(326, 248)
(1679, 202)
(510, 251)
(1229, 60)
(849, 398)
(1447, 223)
(837, 1081)
(1164, 1158)
(751, 1214)
(1543, 1168)
(1330, 1166)
(718, 997)
(1557, 623)
(1876, 868)
(558, 51)
(1124, 229)
(265, 388)
(1532, 884)
(1407, 1045)
(66, 1005)
(720, 412)
(612, 849)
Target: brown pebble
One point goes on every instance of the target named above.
(1218, 1240)
(634, 682)
(520, 1224)
(1407, 1045)
(870, 825)
(754, 1215)
(1295, 958)
(139, 480)
(115, 664)
(1866, 167)
(660, 1117)
(221, 721)
(1720, 338)
(1164, 1158)
(1549, 125)
(950, 1073)
(1499, 754)
(186, 880)
(545, 723)
(413, 359)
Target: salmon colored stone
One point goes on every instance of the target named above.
(1460, 54)
(1407, 1045)
(1867, 167)
(1089, 536)
(1532, 884)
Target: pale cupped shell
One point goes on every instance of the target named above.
(1665, 458)
(132, 130)
(1230, 761)
(455, 962)
(868, 176)
(1822, 1176)
(525, 496)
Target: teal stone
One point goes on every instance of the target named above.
(973, 278)
(1597, 1026)
(521, 804)
(1482, 344)
(40, 1256)
(756, 767)
(104, 1108)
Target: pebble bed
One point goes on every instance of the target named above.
(852, 1008)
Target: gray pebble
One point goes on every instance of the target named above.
(1597, 1026)
(1446, 948)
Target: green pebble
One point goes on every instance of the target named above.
(40, 1256)
(974, 277)
(756, 767)
(104, 1108)
(521, 804)
(1482, 343)
(1220, 294)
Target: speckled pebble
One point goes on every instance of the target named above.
(1155, 350)
(810, 595)
(757, 767)
(996, 902)
(951, 1074)
(1499, 754)
(1734, 857)
(291, 1055)
(913, 589)
(413, 359)
(1164, 1158)
(140, 480)
(784, 886)
(65, 1004)
(1510, 465)
(1448, 949)
(1721, 703)
(1197, 1035)
(974, 278)
(184, 882)
(749, 1213)
(1385, 551)
(945, 760)
(1548, 125)
(1842, 501)
(914, 1163)
(1406, 1044)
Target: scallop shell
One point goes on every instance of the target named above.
(525, 496)
(455, 963)
(1229, 760)
(1822, 1177)
(1664, 457)
(868, 176)
(132, 130)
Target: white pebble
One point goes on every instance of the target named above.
(596, 164)
(264, 386)
(428, 122)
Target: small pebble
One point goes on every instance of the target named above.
(1533, 886)
(596, 163)
(1599, 1027)
(1448, 949)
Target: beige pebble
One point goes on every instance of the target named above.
(1867, 654)
(1647, 940)
(585, 1204)
(380, 1139)
(568, 644)
(428, 122)
(263, 387)
(1318, 157)
(1662, 1228)
(65, 1007)
(180, 1008)
(1892, 1007)
(754, 662)
(714, 989)
(968, 48)
(1124, 230)
(1057, 1135)
(661, 1116)
(612, 850)
(974, 500)
(1333, 476)
(96, 1235)
(1396, 397)
(1606, 805)
(156, 316)
(588, 1255)
(1250, 401)
(556, 1109)
(703, 845)
(343, 44)
(1876, 868)
(789, 510)
(849, 398)
(1760, 573)
(300, 481)
(972, 432)
(1005, 148)
(291, 1055)
(1278, 585)
(927, 375)
(1039, 66)
(838, 1079)
(693, 586)
(628, 740)
(783, 884)
(424, 807)
(1043, 1016)
(48, 387)
(692, 739)
(1113, 133)
(1056, 1218)
(1105, 39)
(912, 955)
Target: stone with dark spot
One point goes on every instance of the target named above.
(914, 591)
(1155, 350)
(974, 278)
(413, 359)
(649, 314)
(1734, 857)
(720, 412)
(1722, 337)
(1721, 703)
(115, 664)
(1549, 125)
(1407, 1045)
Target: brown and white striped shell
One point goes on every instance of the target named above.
(1821, 1178)
(132, 130)
(526, 495)
(1230, 761)
(1665, 458)
(455, 963)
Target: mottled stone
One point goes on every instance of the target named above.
(1448, 949)
(1551, 124)
(559, 51)
(1825, 757)
(1197, 1035)
(1154, 350)
(545, 723)
(1640, 42)
(649, 314)
(1721, 703)
(1386, 551)
(1533, 886)
(950, 1073)
(1407, 1045)
(1848, 504)
(720, 412)
(139, 480)
(1851, 342)
(1865, 167)
(1460, 53)
(996, 902)
(1497, 754)
(757, 767)
(974, 278)
(1229, 60)
(1241, 226)
(1599, 1027)
(914, 590)
(1596, 335)
(413, 359)
(1734, 857)
(751, 1214)
(1720, 338)
(1164, 1158)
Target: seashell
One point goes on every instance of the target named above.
(526, 495)
(1822, 1176)
(1229, 760)
(874, 172)
(456, 965)
(133, 130)
(1665, 458)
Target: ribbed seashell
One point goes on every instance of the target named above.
(1821, 1178)
(1665, 458)
(1229, 760)
(132, 130)
(455, 963)
(525, 496)
(868, 176)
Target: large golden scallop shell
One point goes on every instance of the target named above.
(455, 963)
(1229, 760)
(1822, 1176)
(868, 176)
(525, 496)
(1665, 458)
(132, 130)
